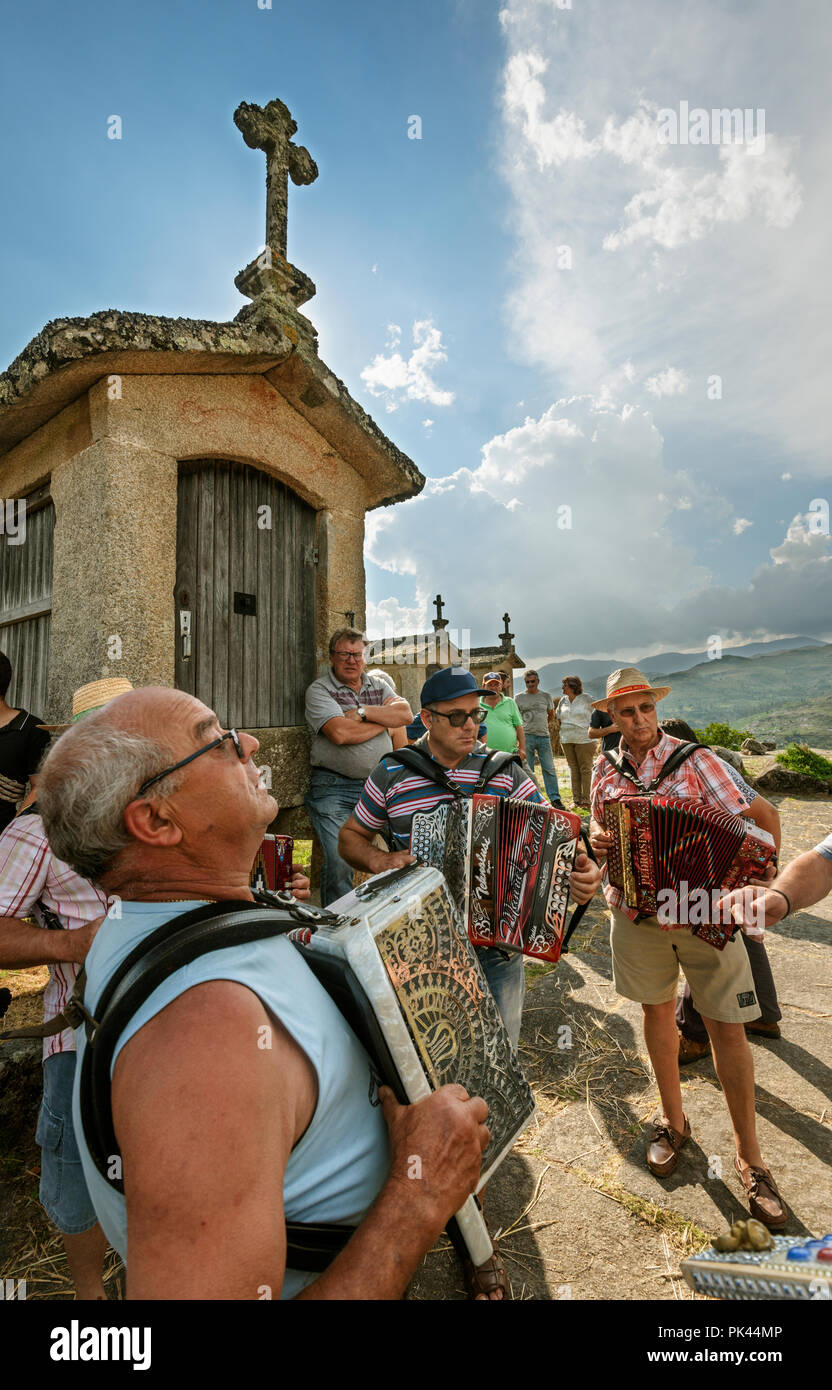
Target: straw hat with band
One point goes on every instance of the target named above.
(629, 681)
(88, 698)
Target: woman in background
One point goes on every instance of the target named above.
(574, 712)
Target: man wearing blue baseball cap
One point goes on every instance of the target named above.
(393, 793)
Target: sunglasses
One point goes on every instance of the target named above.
(215, 743)
(457, 718)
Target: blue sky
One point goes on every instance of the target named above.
(439, 293)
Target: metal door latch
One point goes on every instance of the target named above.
(185, 632)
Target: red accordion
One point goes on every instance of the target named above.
(668, 856)
(273, 866)
(507, 863)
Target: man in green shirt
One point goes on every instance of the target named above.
(503, 721)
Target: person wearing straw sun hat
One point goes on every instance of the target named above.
(646, 957)
(34, 883)
(88, 698)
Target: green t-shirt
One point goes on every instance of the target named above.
(501, 722)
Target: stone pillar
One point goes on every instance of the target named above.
(341, 584)
(114, 569)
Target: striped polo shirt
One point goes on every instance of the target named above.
(393, 793)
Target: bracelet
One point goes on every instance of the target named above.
(782, 895)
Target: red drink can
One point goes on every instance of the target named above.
(273, 865)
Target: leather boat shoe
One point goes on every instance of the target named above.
(692, 1051)
(764, 1201)
(663, 1148)
(764, 1030)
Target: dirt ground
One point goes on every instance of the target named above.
(579, 1214)
(582, 1216)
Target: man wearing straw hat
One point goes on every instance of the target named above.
(33, 883)
(646, 957)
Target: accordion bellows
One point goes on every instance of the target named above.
(664, 850)
(507, 863)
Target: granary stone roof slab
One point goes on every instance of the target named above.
(70, 354)
(479, 655)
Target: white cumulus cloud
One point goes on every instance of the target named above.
(670, 382)
(536, 501)
(398, 379)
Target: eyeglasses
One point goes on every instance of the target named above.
(457, 718)
(348, 656)
(531, 680)
(215, 743)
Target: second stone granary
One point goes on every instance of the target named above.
(195, 498)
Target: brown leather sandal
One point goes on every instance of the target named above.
(483, 1280)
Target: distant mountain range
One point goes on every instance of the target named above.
(553, 673)
(779, 689)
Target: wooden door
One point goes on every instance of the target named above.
(26, 598)
(245, 573)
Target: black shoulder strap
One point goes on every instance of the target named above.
(616, 759)
(177, 943)
(496, 760)
(426, 766)
(678, 756)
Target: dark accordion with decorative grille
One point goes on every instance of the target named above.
(665, 852)
(507, 863)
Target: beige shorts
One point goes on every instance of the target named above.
(646, 961)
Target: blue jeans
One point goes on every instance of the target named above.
(330, 801)
(63, 1188)
(506, 979)
(542, 745)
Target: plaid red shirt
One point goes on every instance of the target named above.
(29, 874)
(702, 777)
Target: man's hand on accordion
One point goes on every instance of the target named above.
(600, 840)
(298, 884)
(584, 879)
(436, 1148)
(381, 861)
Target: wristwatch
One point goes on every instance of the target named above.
(362, 713)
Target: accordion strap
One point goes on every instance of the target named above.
(421, 762)
(679, 755)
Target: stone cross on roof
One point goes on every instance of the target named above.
(439, 622)
(506, 637)
(270, 128)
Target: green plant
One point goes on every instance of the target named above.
(723, 735)
(798, 757)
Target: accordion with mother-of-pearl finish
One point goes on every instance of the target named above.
(398, 963)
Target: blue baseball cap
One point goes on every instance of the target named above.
(447, 684)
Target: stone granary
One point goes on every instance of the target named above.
(503, 657)
(408, 659)
(195, 497)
